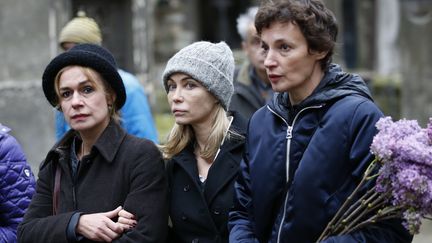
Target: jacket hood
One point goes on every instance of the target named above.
(335, 84)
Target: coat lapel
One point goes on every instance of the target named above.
(109, 141)
(223, 170)
(187, 161)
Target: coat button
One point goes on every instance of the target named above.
(183, 217)
(186, 188)
(195, 241)
(216, 212)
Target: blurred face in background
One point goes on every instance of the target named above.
(67, 45)
(190, 102)
(252, 48)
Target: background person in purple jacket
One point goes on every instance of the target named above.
(16, 185)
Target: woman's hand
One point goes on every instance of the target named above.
(100, 226)
(126, 220)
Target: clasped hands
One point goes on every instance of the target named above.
(101, 227)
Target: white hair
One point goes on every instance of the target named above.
(244, 21)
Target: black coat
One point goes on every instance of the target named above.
(121, 170)
(200, 214)
(246, 98)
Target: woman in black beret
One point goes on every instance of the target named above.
(98, 183)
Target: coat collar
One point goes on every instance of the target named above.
(223, 169)
(107, 144)
(110, 140)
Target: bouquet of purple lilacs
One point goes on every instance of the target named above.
(403, 172)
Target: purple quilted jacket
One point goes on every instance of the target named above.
(17, 185)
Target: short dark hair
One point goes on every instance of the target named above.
(316, 22)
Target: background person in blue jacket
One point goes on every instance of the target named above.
(136, 116)
(307, 149)
(17, 185)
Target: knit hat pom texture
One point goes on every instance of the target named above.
(81, 29)
(208, 63)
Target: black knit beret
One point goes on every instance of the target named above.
(86, 55)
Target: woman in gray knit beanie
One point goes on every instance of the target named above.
(205, 145)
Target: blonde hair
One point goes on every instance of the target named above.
(181, 135)
(92, 76)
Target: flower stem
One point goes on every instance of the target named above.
(353, 210)
(393, 212)
(366, 208)
(331, 225)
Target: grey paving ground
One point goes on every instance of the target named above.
(425, 235)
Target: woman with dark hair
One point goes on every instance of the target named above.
(307, 149)
(98, 183)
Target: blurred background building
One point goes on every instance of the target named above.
(386, 41)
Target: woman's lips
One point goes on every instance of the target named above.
(79, 116)
(274, 78)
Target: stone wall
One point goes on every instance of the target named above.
(25, 110)
(28, 35)
(415, 38)
(26, 30)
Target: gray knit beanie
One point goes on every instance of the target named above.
(210, 64)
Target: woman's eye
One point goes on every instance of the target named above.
(65, 94)
(284, 47)
(190, 85)
(171, 87)
(88, 89)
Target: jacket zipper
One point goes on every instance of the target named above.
(289, 136)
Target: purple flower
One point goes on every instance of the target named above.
(390, 133)
(414, 148)
(405, 152)
(409, 187)
(403, 186)
(412, 221)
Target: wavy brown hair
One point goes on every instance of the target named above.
(316, 22)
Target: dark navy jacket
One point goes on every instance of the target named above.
(316, 152)
(17, 185)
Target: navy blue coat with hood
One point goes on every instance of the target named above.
(301, 163)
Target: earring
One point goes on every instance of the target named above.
(110, 109)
